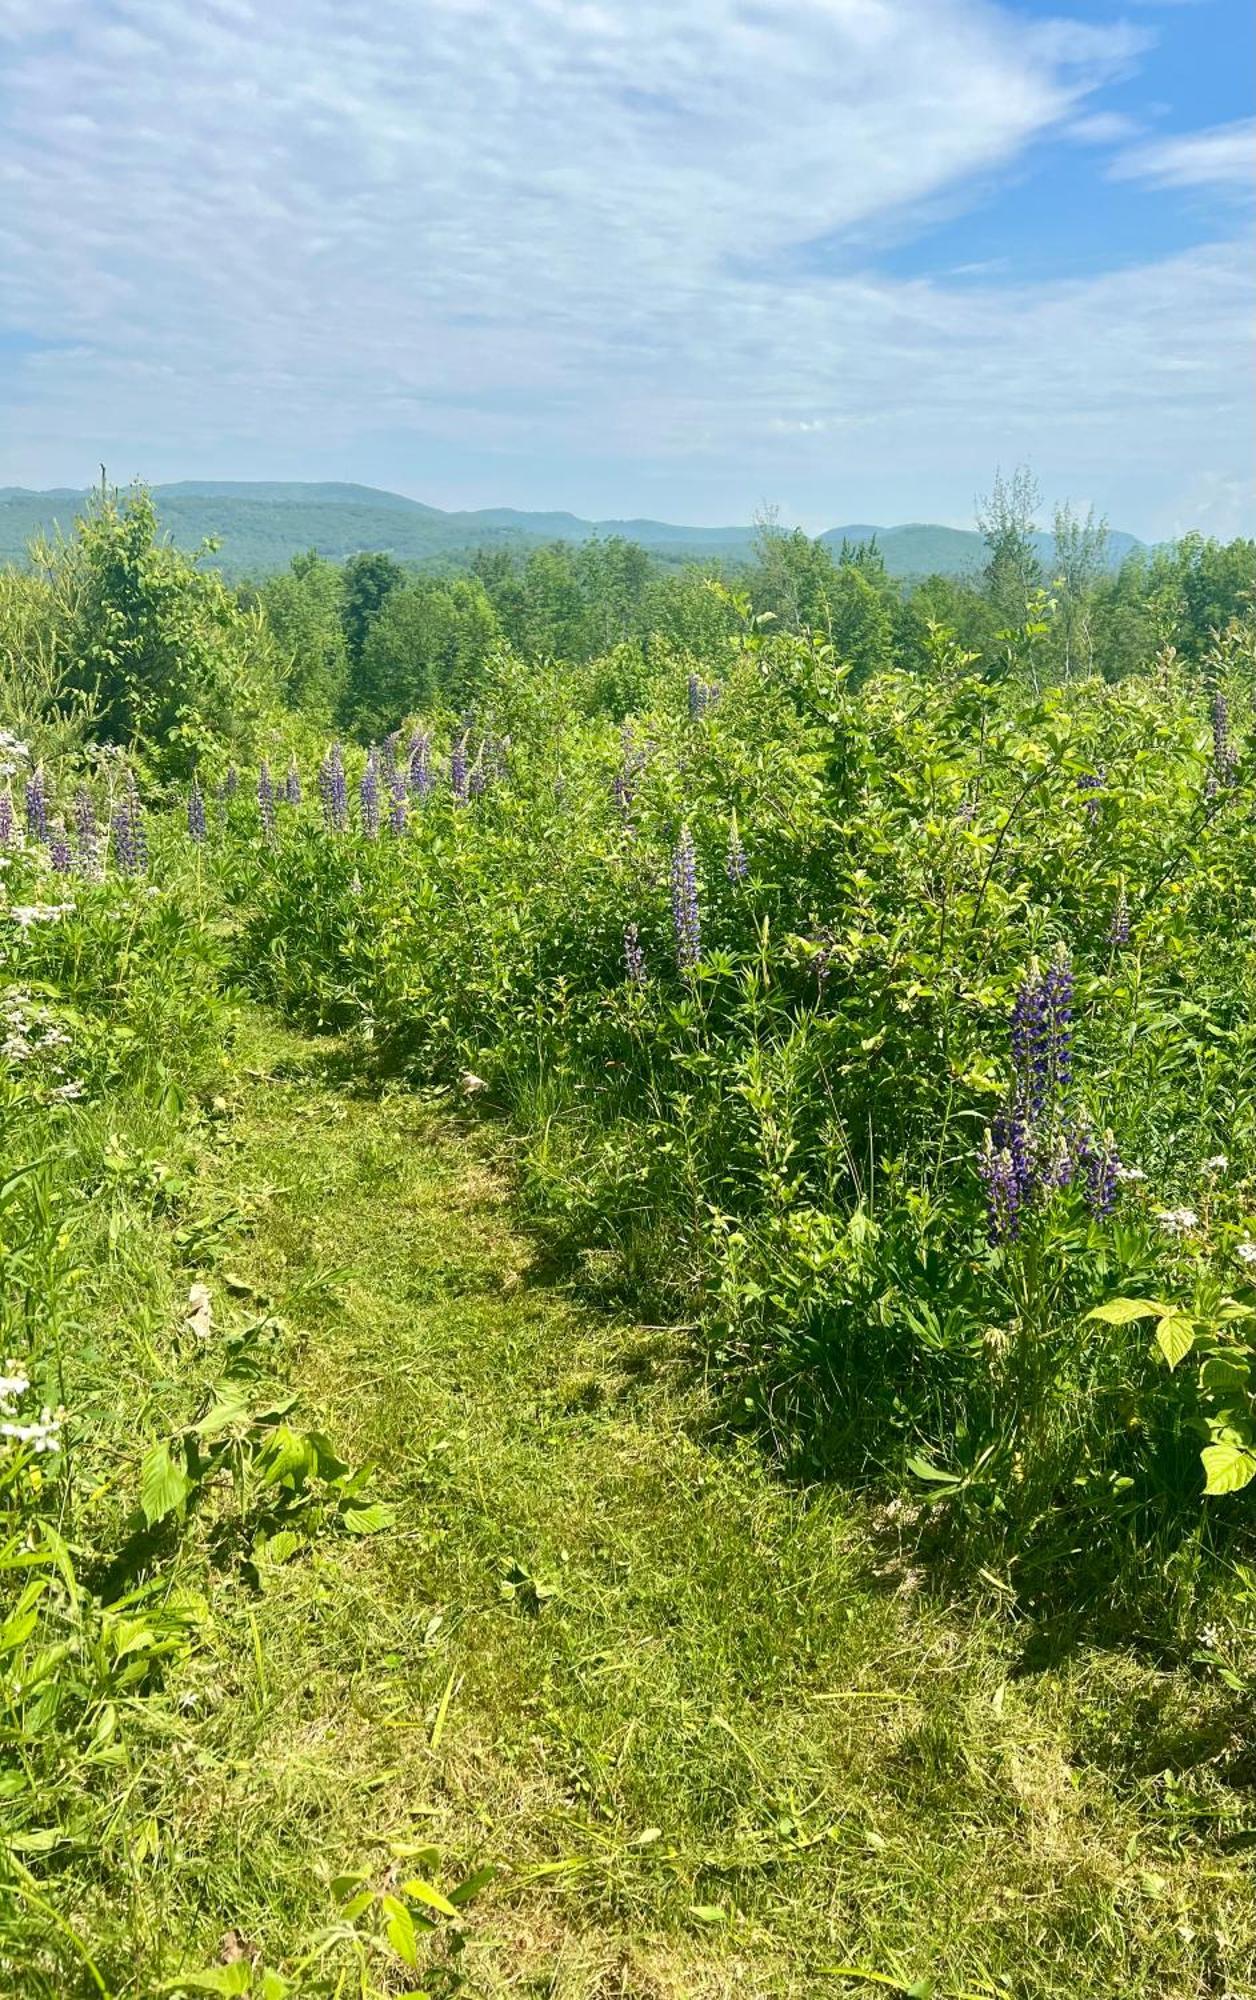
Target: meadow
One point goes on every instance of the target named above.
(630, 1349)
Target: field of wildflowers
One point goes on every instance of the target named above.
(894, 1043)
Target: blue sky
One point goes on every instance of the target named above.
(840, 256)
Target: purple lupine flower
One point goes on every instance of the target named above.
(332, 790)
(736, 866)
(36, 805)
(397, 803)
(1004, 1191)
(7, 823)
(1092, 782)
(59, 849)
(419, 775)
(266, 801)
(967, 812)
(697, 696)
(686, 918)
(634, 957)
(458, 771)
(1119, 928)
(231, 783)
(130, 838)
(196, 813)
(85, 821)
(1224, 755)
(388, 756)
(368, 792)
(292, 784)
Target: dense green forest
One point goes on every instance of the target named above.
(629, 1223)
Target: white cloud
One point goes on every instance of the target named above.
(1222, 157)
(566, 232)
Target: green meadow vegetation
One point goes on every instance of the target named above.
(629, 1233)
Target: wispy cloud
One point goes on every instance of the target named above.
(1224, 157)
(561, 230)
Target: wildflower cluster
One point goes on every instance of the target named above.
(1039, 1144)
(36, 1434)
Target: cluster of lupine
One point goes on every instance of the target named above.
(686, 917)
(1119, 928)
(1225, 757)
(1038, 1145)
(736, 866)
(71, 835)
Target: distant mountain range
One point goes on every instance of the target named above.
(260, 525)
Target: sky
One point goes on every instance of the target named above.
(636, 257)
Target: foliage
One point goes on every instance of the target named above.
(160, 650)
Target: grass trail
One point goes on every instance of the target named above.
(713, 1732)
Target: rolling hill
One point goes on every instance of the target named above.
(260, 525)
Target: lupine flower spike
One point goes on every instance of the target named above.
(634, 957)
(686, 918)
(368, 792)
(266, 801)
(36, 805)
(397, 808)
(59, 849)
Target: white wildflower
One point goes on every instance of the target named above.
(1217, 1164)
(13, 1385)
(27, 914)
(1210, 1637)
(41, 1436)
(1177, 1221)
(1246, 1253)
(68, 1091)
(1124, 1173)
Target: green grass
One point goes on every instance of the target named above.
(718, 1735)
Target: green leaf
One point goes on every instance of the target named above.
(924, 1470)
(420, 1891)
(1224, 1372)
(234, 1978)
(164, 1484)
(709, 1913)
(1119, 1312)
(368, 1520)
(1227, 1467)
(400, 1932)
(1175, 1337)
(465, 1891)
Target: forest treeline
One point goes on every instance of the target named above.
(167, 653)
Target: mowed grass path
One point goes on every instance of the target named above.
(713, 1732)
